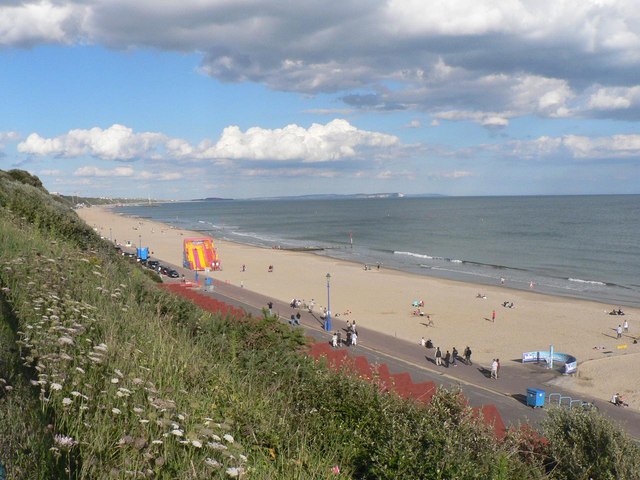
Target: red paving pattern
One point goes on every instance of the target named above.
(401, 383)
(340, 360)
(206, 303)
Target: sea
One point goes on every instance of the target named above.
(584, 247)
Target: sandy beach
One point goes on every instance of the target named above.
(382, 300)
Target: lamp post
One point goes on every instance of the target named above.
(327, 321)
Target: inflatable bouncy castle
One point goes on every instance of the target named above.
(200, 254)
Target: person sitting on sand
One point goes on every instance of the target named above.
(618, 401)
(480, 295)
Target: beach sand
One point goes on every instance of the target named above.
(381, 300)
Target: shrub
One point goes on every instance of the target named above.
(584, 444)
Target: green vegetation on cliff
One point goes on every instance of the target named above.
(103, 375)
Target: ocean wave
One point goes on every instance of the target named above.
(591, 282)
(454, 260)
(417, 255)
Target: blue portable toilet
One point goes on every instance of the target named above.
(143, 253)
(535, 397)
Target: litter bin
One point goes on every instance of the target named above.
(535, 397)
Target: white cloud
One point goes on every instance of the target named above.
(453, 175)
(91, 171)
(123, 172)
(486, 119)
(579, 147)
(614, 98)
(335, 140)
(8, 137)
(35, 22)
(114, 143)
(478, 55)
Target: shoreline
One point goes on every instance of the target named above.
(591, 279)
(381, 300)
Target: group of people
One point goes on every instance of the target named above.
(616, 312)
(508, 304)
(295, 319)
(352, 336)
(449, 358)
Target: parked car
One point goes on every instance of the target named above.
(163, 270)
(153, 264)
(173, 274)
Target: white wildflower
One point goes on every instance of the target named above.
(138, 409)
(56, 386)
(196, 443)
(228, 438)
(216, 446)
(117, 411)
(212, 462)
(79, 370)
(66, 401)
(177, 432)
(65, 340)
(234, 472)
(64, 441)
(144, 421)
(115, 380)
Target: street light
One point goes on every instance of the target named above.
(327, 320)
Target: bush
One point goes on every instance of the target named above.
(584, 444)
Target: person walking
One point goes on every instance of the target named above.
(493, 316)
(467, 356)
(498, 368)
(494, 369)
(334, 340)
(438, 357)
(423, 342)
(625, 326)
(619, 331)
(447, 359)
(270, 306)
(354, 338)
(454, 356)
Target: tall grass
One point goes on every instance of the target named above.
(123, 380)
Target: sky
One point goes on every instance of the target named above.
(253, 98)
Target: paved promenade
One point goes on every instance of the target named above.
(507, 393)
